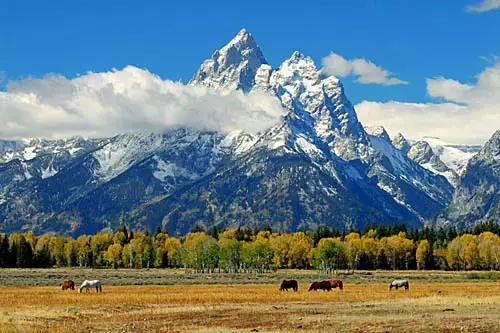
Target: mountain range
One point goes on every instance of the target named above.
(317, 166)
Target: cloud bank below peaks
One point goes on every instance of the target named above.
(470, 113)
(127, 100)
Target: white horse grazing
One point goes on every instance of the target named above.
(91, 284)
(399, 284)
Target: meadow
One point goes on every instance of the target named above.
(175, 301)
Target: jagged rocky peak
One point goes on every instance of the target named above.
(400, 142)
(491, 149)
(378, 131)
(314, 101)
(232, 67)
(297, 83)
(322, 97)
(477, 197)
(299, 68)
(420, 152)
(455, 156)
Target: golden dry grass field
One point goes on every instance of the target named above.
(362, 307)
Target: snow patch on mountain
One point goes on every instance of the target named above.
(382, 144)
(27, 174)
(453, 155)
(122, 152)
(49, 171)
(238, 141)
(168, 169)
(31, 148)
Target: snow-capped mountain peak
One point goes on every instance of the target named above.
(314, 102)
(491, 149)
(477, 196)
(318, 162)
(422, 153)
(243, 41)
(378, 131)
(453, 155)
(299, 67)
(400, 142)
(233, 66)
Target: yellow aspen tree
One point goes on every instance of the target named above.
(470, 253)
(281, 247)
(453, 251)
(422, 253)
(114, 255)
(354, 247)
(227, 234)
(489, 250)
(172, 246)
(298, 255)
(370, 247)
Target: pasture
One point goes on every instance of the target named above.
(436, 301)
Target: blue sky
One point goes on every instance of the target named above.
(414, 40)
(171, 38)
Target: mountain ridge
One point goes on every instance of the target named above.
(317, 166)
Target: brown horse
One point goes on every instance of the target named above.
(337, 284)
(289, 284)
(68, 284)
(321, 285)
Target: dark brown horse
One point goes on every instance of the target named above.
(289, 284)
(68, 284)
(321, 285)
(337, 284)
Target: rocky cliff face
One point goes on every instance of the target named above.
(400, 143)
(232, 67)
(477, 197)
(422, 153)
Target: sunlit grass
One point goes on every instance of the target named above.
(365, 307)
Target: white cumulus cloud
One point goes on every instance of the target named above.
(486, 91)
(365, 71)
(127, 100)
(484, 6)
(471, 113)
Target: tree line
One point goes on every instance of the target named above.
(245, 250)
